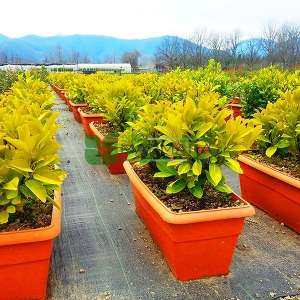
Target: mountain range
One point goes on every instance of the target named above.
(32, 48)
(95, 48)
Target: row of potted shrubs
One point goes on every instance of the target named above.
(30, 180)
(253, 89)
(177, 146)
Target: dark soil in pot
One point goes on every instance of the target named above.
(105, 128)
(288, 165)
(34, 215)
(183, 201)
(88, 110)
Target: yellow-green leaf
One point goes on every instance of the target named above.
(47, 176)
(162, 175)
(20, 164)
(271, 150)
(11, 209)
(184, 168)
(234, 165)
(175, 162)
(203, 128)
(16, 200)
(215, 173)
(224, 188)
(197, 191)
(37, 189)
(18, 144)
(197, 167)
(176, 186)
(3, 216)
(12, 185)
(11, 194)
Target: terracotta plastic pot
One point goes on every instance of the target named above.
(67, 101)
(236, 110)
(235, 100)
(195, 244)
(74, 108)
(115, 162)
(274, 192)
(56, 90)
(24, 259)
(61, 93)
(86, 119)
(236, 107)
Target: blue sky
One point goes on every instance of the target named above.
(143, 18)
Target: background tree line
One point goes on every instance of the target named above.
(58, 56)
(276, 45)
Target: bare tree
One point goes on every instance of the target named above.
(110, 59)
(59, 55)
(131, 58)
(3, 57)
(216, 43)
(75, 57)
(199, 51)
(85, 59)
(252, 52)
(287, 45)
(168, 52)
(269, 43)
(46, 60)
(275, 46)
(232, 43)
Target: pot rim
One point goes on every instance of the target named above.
(77, 104)
(85, 115)
(168, 216)
(270, 171)
(235, 105)
(37, 234)
(97, 133)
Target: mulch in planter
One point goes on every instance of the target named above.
(33, 216)
(87, 110)
(183, 201)
(288, 165)
(105, 128)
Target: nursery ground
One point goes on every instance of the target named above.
(105, 251)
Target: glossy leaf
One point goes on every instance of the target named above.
(215, 173)
(37, 189)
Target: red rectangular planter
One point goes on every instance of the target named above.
(61, 94)
(74, 108)
(24, 260)
(195, 244)
(236, 110)
(115, 162)
(86, 119)
(272, 191)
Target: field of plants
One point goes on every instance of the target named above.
(213, 162)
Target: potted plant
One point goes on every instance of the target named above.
(120, 108)
(178, 185)
(62, 94)
(74, 108)
(29, 188)
(87, 116)
(235, 105)
(271, 178)
(263, 86)
(76, 98)
(25, 258)
(106, 138)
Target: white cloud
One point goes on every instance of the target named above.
(141, 18)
